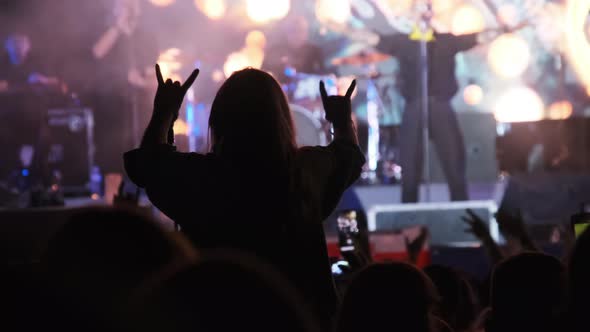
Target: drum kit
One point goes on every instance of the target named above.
(307, 109)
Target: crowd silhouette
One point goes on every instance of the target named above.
(251, 252)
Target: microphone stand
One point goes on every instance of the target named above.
(424, 103)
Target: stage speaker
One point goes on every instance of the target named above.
(443, 220)
(70, 146)
(479, 135)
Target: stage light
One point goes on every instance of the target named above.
(254, 56)
(256, 39)
(169, 64)
(508, 14)
(560, 110)
(234, 62)
(334, 11)
(472, 94)
(509, 55)
(518, 104)
(213, 9)
(467, 19)
(577, 45)
(217, 76)
(262, 11)
(181, 127)
(162, 3)
(442, 6)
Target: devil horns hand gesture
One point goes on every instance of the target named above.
(170, 95)
(338, 108)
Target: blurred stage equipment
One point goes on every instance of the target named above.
(557, 146)
(71, 147)
(309, 129)
(366, 63)
(443, 220)
(263, 11)
(479, 133)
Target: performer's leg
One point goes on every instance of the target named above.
(448, 139)
(411, 157)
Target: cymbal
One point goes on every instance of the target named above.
(361, 58)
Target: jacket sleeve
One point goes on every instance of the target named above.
(334, 168)
(163, 173)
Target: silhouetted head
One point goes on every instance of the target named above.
(458, 303)
(394, 294)
(250, 117)
(527, 293)
(223, 292)
(17, 46)
(100, 255)
(579, 281)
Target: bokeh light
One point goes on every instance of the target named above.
(217, 76)
(181, 127)
(254, 56)
(509, 55)
(472, 94)
(213, 9)
(170, 64)
(467, 19)
(256, 39)
(333, 11)
(560, 110)
(550, 27)
(162, 3)
(441, 6)
(247, 57)
(509, 14)
(262, 11)
(519, 104)
(577, 46)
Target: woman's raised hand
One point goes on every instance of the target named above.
(338, 108)
(170, 95)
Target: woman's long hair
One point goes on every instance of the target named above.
(250, 117)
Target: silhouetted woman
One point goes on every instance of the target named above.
(256, 190)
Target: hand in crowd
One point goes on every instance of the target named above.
(477, 226)
(170, 95)
(414, 247)
(338, 108)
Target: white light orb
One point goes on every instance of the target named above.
(472, 94)
(519, 104)
(509, 55)
(333, 11)
(263, 11)
(467, 19)
(213, 9)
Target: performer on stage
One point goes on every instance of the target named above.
(22, 70)
(444, 129)
(26, 90)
